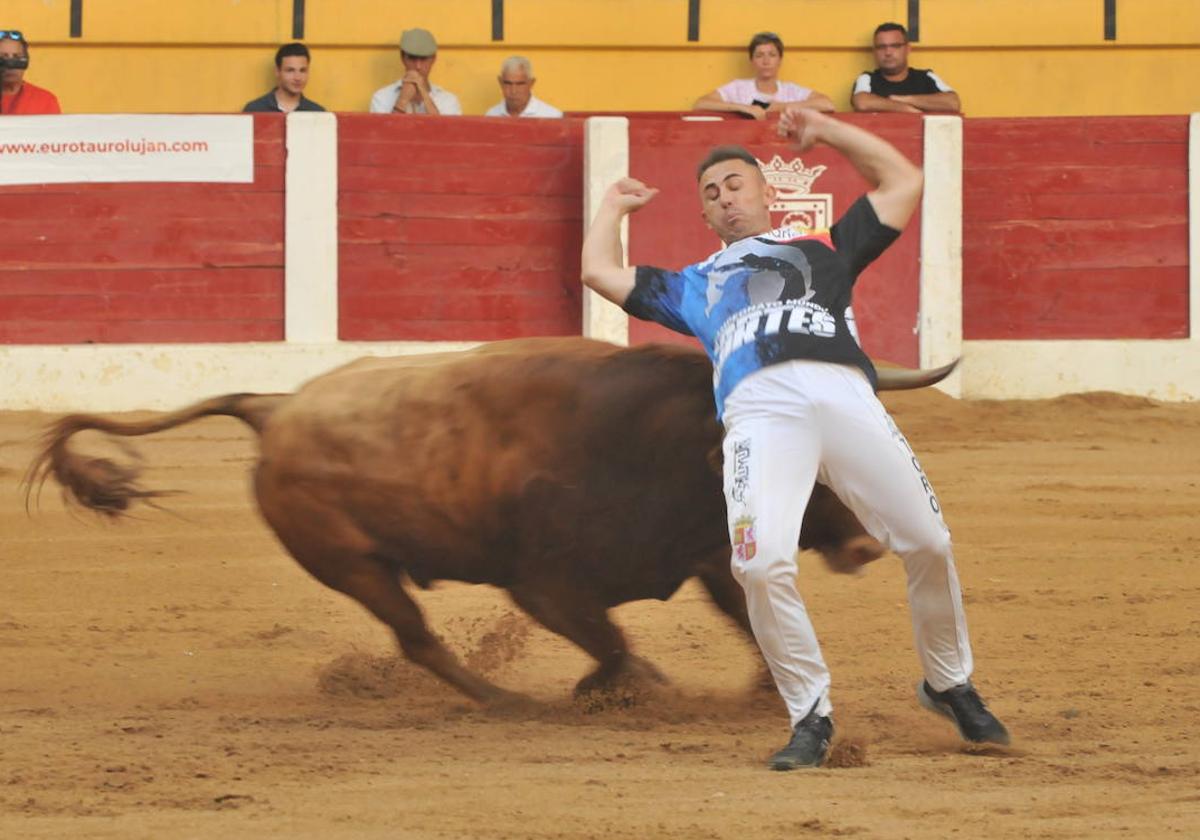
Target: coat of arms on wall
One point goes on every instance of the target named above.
(796, 205)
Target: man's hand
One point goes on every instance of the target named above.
(408, 92)
(756, 112)
(897, 182)
(603, 261)
(412, 77)
(628, 195)
(804, 125)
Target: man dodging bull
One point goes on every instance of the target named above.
(796, 395)
(571, 473)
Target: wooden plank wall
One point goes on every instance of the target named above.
(670, 233)
(158, 263)
(1075, 228)
(469, 229)
(458, 229)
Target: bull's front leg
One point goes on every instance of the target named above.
(727, 595)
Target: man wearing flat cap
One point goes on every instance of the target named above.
(415, 94)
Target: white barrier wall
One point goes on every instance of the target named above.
(126, 377)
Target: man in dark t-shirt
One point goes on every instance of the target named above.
(796, 395)
(894, 86)
(291, 75)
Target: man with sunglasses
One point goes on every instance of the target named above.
(19, 96)
(894, 86)
(414, 93)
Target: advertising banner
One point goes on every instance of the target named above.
(126, 147)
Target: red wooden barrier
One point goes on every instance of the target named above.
(458, 229)
(147, 262)
(1075, 228)
(670, 233)
(470, 229)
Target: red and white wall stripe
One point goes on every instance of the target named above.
(1053, 255)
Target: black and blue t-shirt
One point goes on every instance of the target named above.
(769, 298)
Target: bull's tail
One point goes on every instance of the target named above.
(107, 487)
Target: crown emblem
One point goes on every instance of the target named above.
(792, 176)
(795, 204)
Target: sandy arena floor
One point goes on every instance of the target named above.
(178, 676)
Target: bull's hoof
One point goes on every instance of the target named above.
(853, 555)
(628, 684)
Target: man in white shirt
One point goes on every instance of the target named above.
(415, 94)
(516, 83)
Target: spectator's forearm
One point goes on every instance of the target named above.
(816, 102)
(427, 100)
(404, 99)
(946, 102)
(707, 103)
(870, 103)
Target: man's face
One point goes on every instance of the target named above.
(735, 200)
(517, 88)
(891, 52)
(12, 49)
(422, 64)
(292, 74)
(766, 61)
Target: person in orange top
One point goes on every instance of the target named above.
(21, 97)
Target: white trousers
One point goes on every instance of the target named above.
(787, 426)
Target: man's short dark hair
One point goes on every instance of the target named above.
(290, 49)
(891, 27)
(766, 38)
(719, 154)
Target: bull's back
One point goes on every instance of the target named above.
(516, 450)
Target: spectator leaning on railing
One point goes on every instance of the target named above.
(894, 86)
(755, 97)
(414, 93)
(516, 83)
(291, 77)
(21, 97)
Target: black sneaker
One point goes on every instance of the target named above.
(809, 744)
(963, 705)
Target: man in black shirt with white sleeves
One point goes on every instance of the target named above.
(894, 86)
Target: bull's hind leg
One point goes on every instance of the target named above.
(334, 551)
(566, 611)
(377, 587)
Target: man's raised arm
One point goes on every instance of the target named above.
(896, 180)
(603, 266)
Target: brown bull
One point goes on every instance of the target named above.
(574, 474)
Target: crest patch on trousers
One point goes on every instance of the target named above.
(744, 547)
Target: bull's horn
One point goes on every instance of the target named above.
(903, 379)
